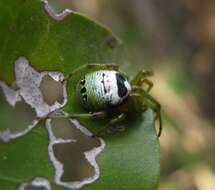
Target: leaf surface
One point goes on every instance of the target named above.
(130, 159)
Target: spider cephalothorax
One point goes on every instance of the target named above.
(107, 90)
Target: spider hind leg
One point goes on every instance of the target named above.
(155, 106)
(151, 102)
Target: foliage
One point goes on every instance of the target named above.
(130, 159)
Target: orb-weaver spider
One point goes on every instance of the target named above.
(107, 91)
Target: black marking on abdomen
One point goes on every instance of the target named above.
(83, 90)
(103, 83)
(84, 97)
(82, 82)
(122, 90)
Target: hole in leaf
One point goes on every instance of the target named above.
(16, 113)
(16, 117)
(73, 152)
(38, 183)
(70, 153)
(52, 90)
(54, 13)
(29, 82)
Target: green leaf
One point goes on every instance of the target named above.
(130, 159)
(25, 158)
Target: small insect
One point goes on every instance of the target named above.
(107, 92)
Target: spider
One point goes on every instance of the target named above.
(106, 92)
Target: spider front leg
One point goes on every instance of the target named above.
(92, 66)
(157, 109)
(141, 78)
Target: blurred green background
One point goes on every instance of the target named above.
(176, 39)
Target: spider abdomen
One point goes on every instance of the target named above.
(102, 89)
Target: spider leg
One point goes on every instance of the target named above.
(157, 108)
(144, 81)
(149, 83)
(152, 103)
(93, 115)
(113, 121)
(92, 66)
(141, 78)
(138, 78)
